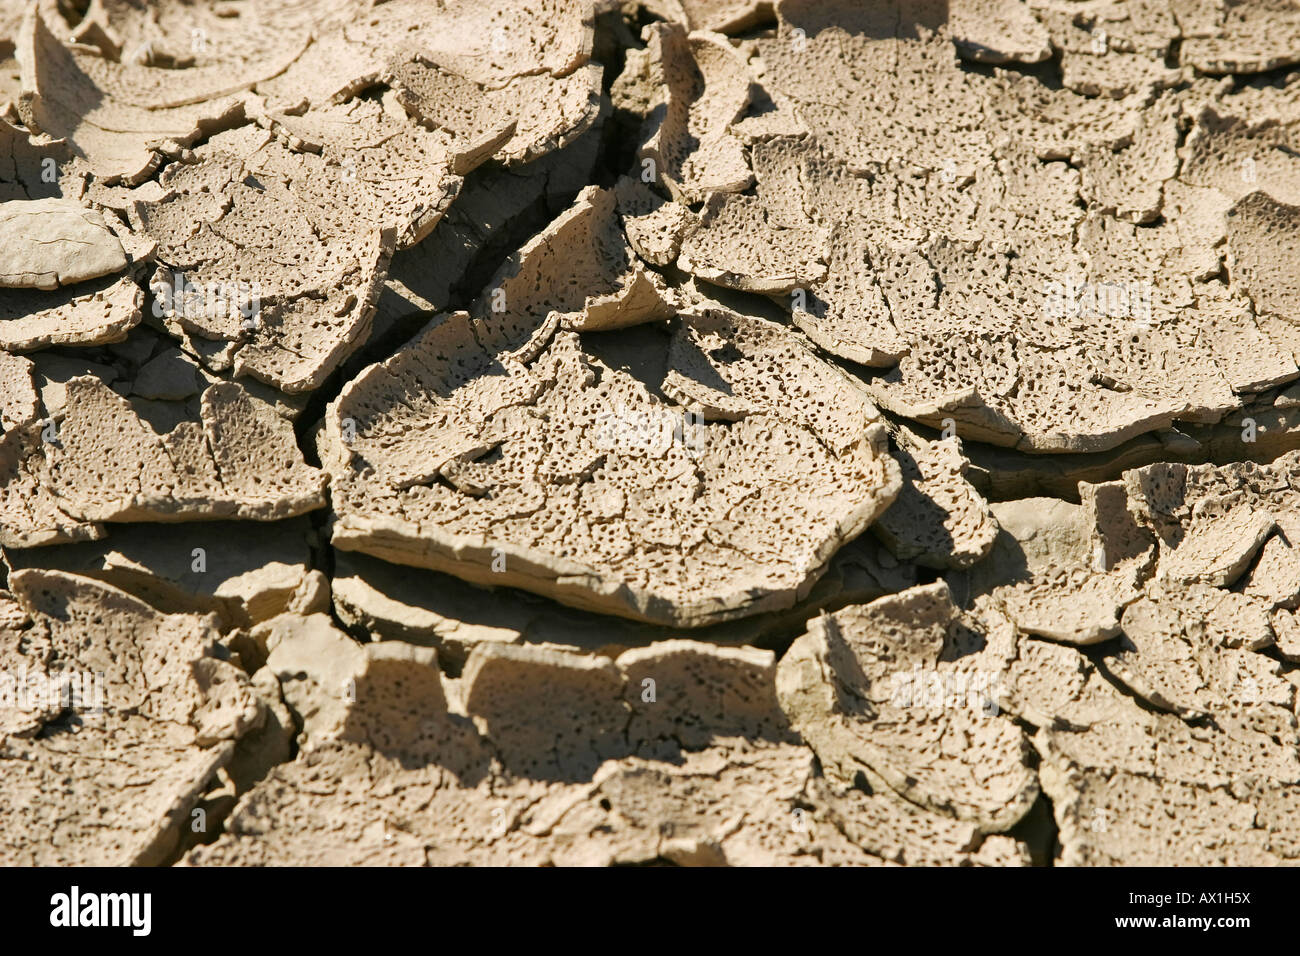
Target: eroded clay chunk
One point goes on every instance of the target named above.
(140, 702)
(1236, 155)
(857, 686)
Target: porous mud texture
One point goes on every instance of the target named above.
(643, 432)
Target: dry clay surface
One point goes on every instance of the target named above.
(689, 432)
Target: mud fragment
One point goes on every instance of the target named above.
(459, 492)
(665, 792)
(49, 243)
(159, 713)
(845, 687)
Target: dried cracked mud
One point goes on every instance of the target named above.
(688, 432)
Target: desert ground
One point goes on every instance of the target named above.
(688, 432)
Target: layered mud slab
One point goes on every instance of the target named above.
(691, 432)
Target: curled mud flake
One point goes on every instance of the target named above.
(64, 98)
(1285, 626)
(1236, 156)
(1123, 819)
(938, 519)
(565, 759)
(435, 610)
(579, 272)
(1178, 662)
(1113, 535)
(1128, 181)
(1113, 50)
(32, 166)
(765, 242)
(168, 57)
(19, 400)
(143, 703)
(489, 45)
(877, 689)
(1052, 685)
(1264, 240)
(727, 366)
(32, 514)
(692, 89)
(92, 313)
(1250, 360)
(1064, 572)
(47, 243)
(1258, 742)
(1036, 536)
(880, 83)
(654, 226)
(1077, 606)
(261, 251)
(194, 569)
(907, 835)
(687, 694)
(450, 440)
(1275, 576)
(724, 16)
(997, 31)
(1129, 780)
(564, 734)
(531, 116)
(1218, 544)
(239, 459)
(1238, 36)
(363, 162)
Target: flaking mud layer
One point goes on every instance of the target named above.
(691, 432)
